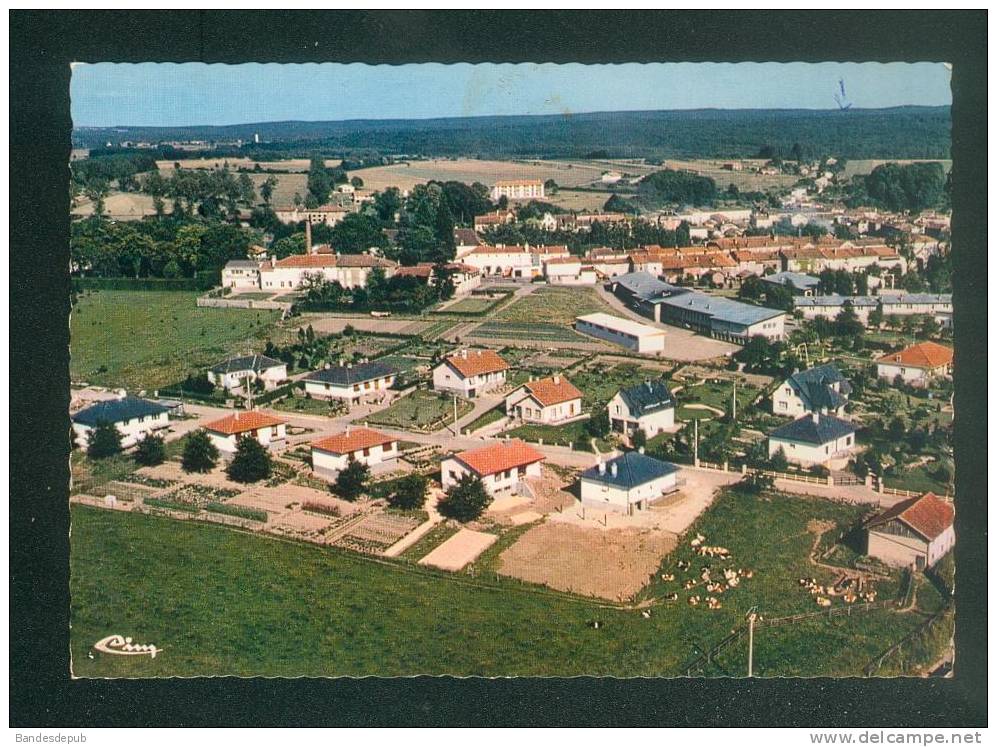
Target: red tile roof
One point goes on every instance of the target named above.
(928, 515)
(552, 391)
(474, 362)
(352, 440)
(242, 422)
(303, 260)
(922, 355)
(419, 271)
(488, 460)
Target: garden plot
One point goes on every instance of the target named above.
(459, 550)
(611, 564)
(330, 324)
(421, 410)
(377, 532)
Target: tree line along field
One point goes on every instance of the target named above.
(150, 339)
(220, 601)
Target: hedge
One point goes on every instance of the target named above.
(280, 392)
(241, 511)
(201, 283)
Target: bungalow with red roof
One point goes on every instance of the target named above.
(916, 365)
(499, 466)
(226, 432)
(470, 372)
(915, 533)
(331, 454)
(550, 400)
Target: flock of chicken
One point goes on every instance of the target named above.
(714, 582)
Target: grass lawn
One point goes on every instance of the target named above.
(600, 382)
(919, 481)
(89, 474)
(553, 305)
(149, 339)
(297, 402)
(422, 410)
(486, 418)
(559, 435)
(223, 602)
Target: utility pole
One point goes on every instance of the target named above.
(734, 408)
(751, 640)
(455, 432)
(695, 442)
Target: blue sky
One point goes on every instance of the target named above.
(108, 94)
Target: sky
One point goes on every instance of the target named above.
(161, 94)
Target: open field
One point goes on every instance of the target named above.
(422, 410)
(290, 165)
(470, 170)
(866, 165)
(150, 339)
(745, 180)
(120, 206)
(220, 601)
(553, 305)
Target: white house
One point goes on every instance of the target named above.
(647, 406)
(241, 274)
(349, 270)
(550, 400)
(569, 271)
(813, 439)
(226, 432)
(640, 338)
(828, 307)
(499, 466)
(134, 417)
(630, 482)
(470, 372)
(330, 215)
(330, 455)
(234, 372)
(351, 382)
(916, 365)
(820, 389)
(914, 533)
(518, 189)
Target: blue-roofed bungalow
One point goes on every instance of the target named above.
(627, 483)
(134, 417)
(814, 439)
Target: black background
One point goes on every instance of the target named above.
(42, 45)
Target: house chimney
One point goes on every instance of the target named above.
(602, 467)
(347, 432)
(308, 237)
(612, 469)
(815, 416)
(463, 353)
(557, 379)
(640, 450)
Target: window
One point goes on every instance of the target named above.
(274, 431)
(453, 475)
(356, 387)
(366, 452)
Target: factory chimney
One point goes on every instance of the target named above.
(308, 236)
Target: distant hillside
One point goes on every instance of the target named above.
(903, 132)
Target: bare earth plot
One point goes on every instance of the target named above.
(459, 550)
(611, 564)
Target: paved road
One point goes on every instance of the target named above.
(323, 426)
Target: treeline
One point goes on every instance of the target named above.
(896, 133)
(395, 294)
(676, 187)
(601, 234)
(901, 187)
(167, 248)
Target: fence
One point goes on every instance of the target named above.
(242, 303)
(707, 656)
(873, 666)
(907, 493)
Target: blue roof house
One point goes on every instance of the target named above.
(814, 439)
(648, 406)
(820, 389)
(134, 417)
(627, 483)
